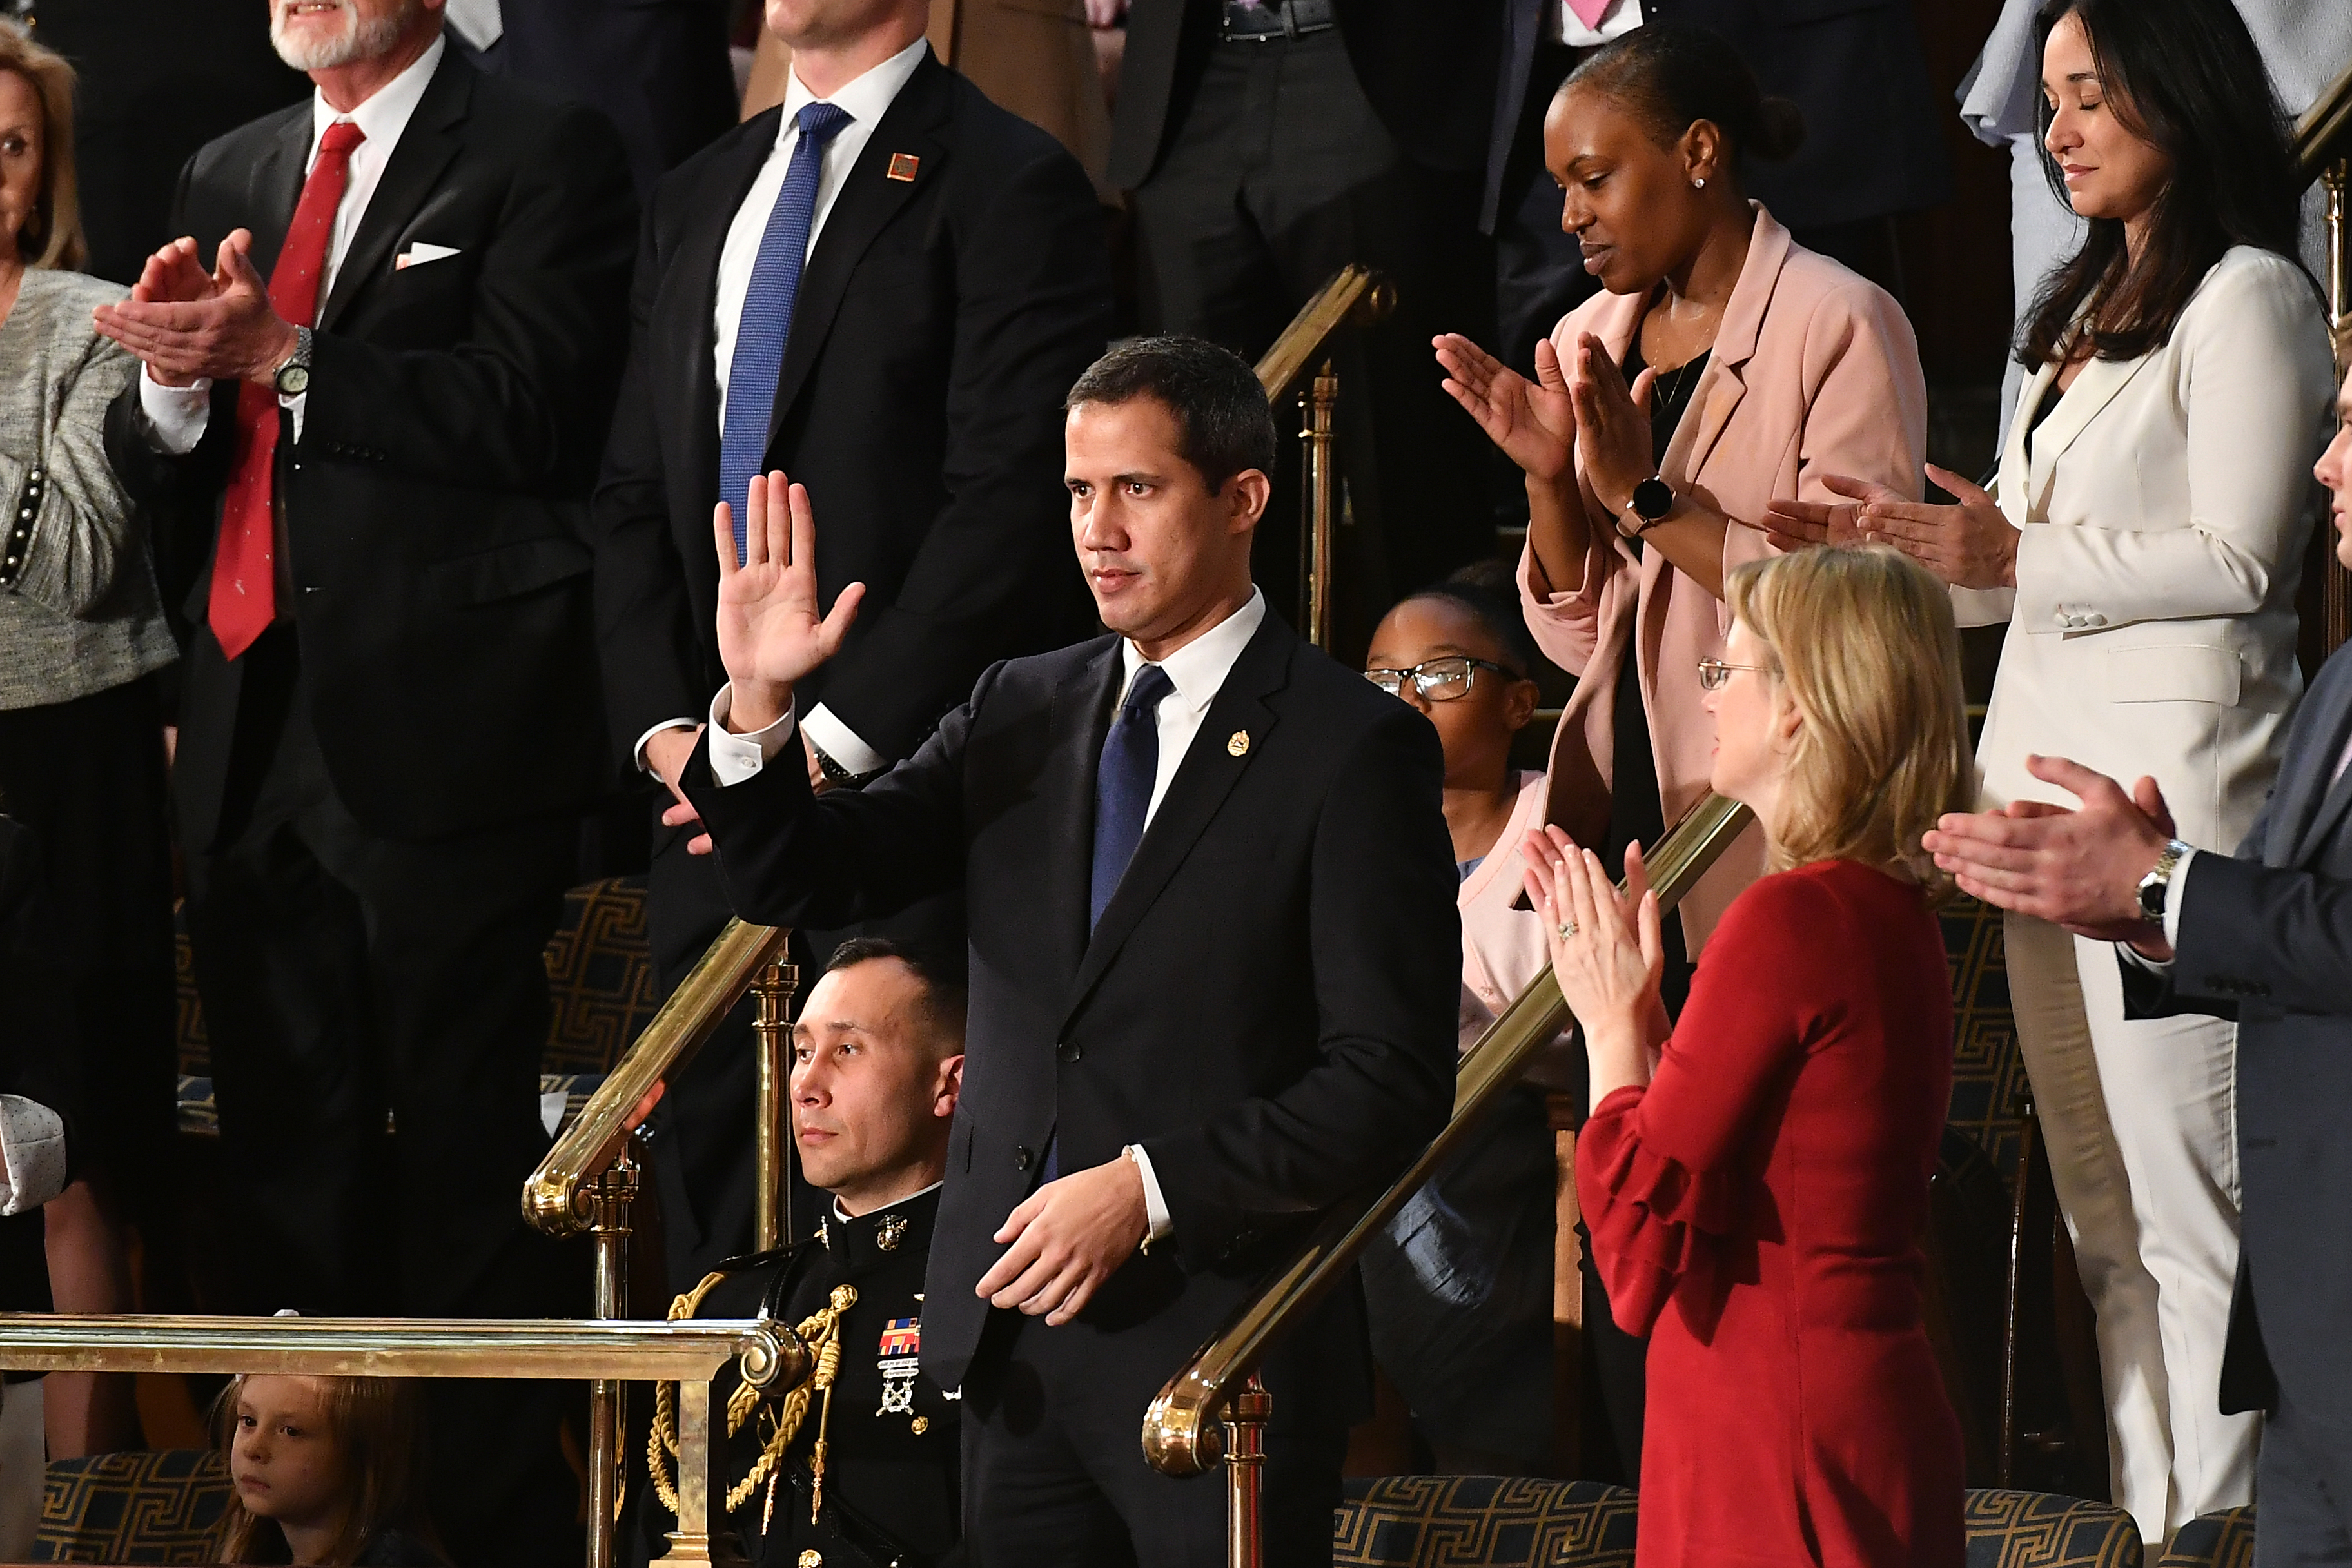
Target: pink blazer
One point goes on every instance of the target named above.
(1503, 948)
(1815, 371)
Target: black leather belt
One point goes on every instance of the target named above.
(1259, 21)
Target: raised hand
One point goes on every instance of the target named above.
(1971, 545)
(1531, 421)
(772, 632)
(1612, 425)
(1608, 954)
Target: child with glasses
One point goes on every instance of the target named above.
(1460, 1284)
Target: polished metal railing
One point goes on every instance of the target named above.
(588, 1181)
(690, 1353)
(1214, 1407)
(1354, 296)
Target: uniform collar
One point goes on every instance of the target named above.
(895, 1231)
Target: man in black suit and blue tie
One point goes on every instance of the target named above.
(2264, 938)
(883, 286)
(1214, 956)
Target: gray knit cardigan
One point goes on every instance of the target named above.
(78, 609)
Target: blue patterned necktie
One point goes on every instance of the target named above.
(1123, 781)
(767, 320)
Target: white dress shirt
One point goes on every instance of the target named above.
(865, 100)
(179, 414)
(2178, 894)
(1197, 671)
(1564, 26)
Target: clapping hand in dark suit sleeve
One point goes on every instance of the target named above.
(2080, 868)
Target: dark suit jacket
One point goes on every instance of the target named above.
(940, 324)
(2266, 939)
(1417, 61)
(436, 507)
(658, 70)
(1266, 1006)
(1854, 66)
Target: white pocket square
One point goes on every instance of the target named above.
(418, 254)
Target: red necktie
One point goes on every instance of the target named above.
(244, 571)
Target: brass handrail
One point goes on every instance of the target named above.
(1180, 1435)
(2320, 129)
(553, 1197)
(688, 1353)
(1353, 293)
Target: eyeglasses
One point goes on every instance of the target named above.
(1439, 679)
(1714, 675)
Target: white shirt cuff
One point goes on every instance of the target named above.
(32, 1154)
(176, 415)
(1158, 1227)
(637, 751)
(734, 758)
(839, 741)
(294, 405)
(2175, 897)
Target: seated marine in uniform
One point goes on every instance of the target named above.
(856, 1466)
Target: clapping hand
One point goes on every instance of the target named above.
(771, 630)
(187, 323)
(2076, 868)
(1531, 421)
(1608, 953)
(1794, 524)
(1970, 546)
(1612, 425)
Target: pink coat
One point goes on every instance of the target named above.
(1815, 371)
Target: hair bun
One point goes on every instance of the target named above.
(1780, 129)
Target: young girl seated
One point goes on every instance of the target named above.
(327, 1471)
(1459, 1287)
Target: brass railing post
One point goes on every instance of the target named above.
(772, 1027)
(1315, 533)
(1246, 1419)
(607, 1198)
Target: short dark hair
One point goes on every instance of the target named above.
(945, 993)
(2186, 76)
(1224, 425)
(1672, 75)
(1498, 615)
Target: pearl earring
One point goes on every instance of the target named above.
(1699, 183)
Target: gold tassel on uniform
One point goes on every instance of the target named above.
(820, 1332)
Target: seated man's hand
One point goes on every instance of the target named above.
(772, 630)
(1070, 1236)
(2080, 870)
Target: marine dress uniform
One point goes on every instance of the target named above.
(857, 1466)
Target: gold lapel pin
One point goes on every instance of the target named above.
(1238, 746)
(903, 166)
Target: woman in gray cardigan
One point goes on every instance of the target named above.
(82, 731)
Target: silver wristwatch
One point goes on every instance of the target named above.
(2156, 888)
(293, 377)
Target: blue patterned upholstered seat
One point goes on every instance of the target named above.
(2041, 1529)
(2214, 1540)
(1988, 1073)
(1483, 1521)
(159, 1507)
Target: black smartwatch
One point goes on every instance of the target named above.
(1653, 498)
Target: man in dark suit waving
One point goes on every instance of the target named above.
(389, 390)
(1213, 957)
(2265, 938)
(883, 286)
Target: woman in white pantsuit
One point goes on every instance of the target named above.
(2145, 547)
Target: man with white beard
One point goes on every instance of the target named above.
(384, 356)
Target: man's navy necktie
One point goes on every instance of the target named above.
(767, 320)
(1123, 781)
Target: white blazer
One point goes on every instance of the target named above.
(2165, 512)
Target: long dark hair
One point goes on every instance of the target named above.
(2185, 76)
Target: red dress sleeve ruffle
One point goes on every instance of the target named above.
(1652, 1219)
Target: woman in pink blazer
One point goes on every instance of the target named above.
(1722, 366)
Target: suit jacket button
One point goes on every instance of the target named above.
(1021, 1157)
(1068, 1051)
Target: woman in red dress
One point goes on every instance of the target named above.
(1757, 1182)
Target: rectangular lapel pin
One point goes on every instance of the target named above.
(903, 166)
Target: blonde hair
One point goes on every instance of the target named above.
(52, 237)
(377, 1427)
(1865, 640)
